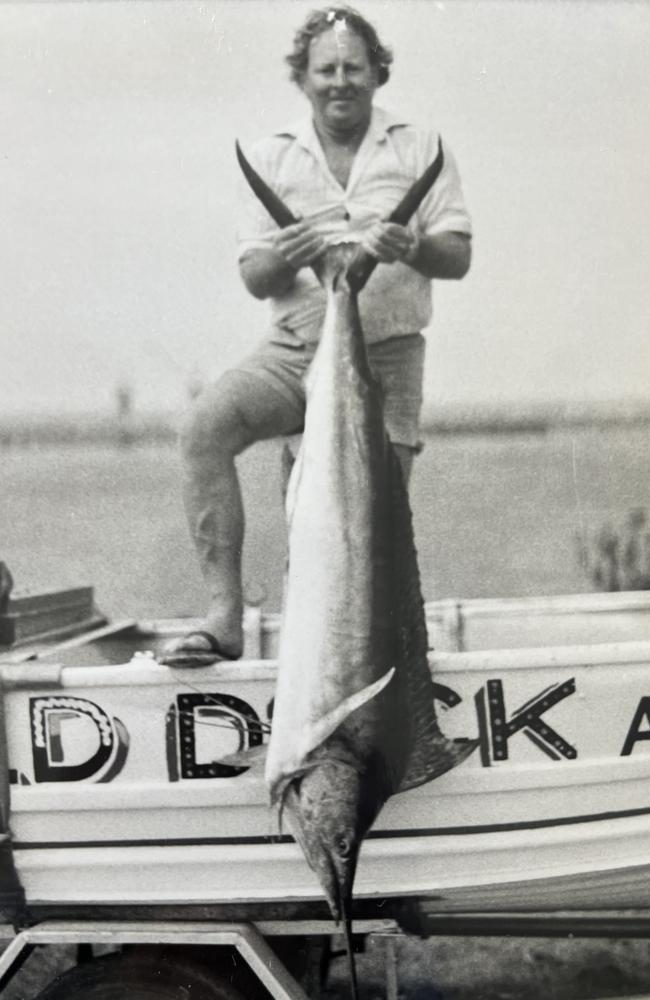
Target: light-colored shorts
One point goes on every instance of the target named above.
(397, 363)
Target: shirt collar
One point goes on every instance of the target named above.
(381, 123)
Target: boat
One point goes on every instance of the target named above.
(121, 802)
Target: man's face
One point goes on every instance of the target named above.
(340, 81)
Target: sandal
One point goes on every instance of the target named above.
(183, 655)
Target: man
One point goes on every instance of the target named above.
(341, 170)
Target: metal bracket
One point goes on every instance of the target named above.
(244, 937)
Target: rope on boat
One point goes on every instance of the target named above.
(254, 723)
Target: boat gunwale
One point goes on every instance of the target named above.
(144, 668)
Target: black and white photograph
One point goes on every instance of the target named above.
(324, 500)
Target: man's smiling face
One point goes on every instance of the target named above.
(340, 81)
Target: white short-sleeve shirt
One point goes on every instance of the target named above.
(397, 299)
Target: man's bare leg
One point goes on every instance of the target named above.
(225, 420)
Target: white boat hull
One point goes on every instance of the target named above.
(590, 869)
(116, 798)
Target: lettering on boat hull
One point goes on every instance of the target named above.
(77, 739)
(196, 725)
(635, 732)
(496, 729)
(98, 751)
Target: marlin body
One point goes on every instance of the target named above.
(354, 714)
(354, 719)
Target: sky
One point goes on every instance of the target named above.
(118, 192)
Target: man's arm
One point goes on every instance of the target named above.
(442, 255)
(265, 273)
(271, 271)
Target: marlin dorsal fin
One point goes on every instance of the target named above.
(432, 753)
(433, 759)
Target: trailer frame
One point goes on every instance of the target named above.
(248, 938)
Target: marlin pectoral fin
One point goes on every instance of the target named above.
(246, 758)
(318, 732)
(436, 757)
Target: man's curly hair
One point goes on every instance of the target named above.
(323, 20)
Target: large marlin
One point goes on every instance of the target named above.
(354, 719)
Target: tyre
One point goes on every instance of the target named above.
(142, 974)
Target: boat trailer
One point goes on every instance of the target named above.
(249, 940)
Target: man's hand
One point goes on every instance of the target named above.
(389, 242)
(272, 271)
(300, 245)
(443, 255)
